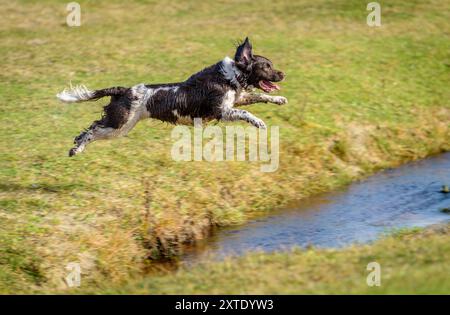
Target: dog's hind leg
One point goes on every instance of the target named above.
(95, 132)
(120, 116)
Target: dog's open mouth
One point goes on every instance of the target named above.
(268, 86)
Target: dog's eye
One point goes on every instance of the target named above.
(266, 66)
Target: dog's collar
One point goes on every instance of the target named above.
(232, 73)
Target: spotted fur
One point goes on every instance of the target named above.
(209, 94)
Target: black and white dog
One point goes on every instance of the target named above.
(209, 94)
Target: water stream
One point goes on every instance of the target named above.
(407, 196)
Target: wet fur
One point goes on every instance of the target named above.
(209, 94)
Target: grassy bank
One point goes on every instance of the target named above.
(411, 262)
(360, 99)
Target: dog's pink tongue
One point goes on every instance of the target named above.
(269, 86)
(275, 86)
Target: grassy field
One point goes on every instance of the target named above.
(411, 262)
(360, 99)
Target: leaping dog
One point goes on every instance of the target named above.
(209, 94)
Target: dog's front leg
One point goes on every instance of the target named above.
(247, 98)
(234, 114)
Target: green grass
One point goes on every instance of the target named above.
(411, 262)
(360, 99)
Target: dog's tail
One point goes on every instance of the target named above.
(81, 93)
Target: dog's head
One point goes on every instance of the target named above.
(258, 70)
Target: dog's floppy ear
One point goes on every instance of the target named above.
(244, 53)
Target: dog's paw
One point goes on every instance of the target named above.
(72, 152)
(279, 100)
(258, 123)
(75, 150)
